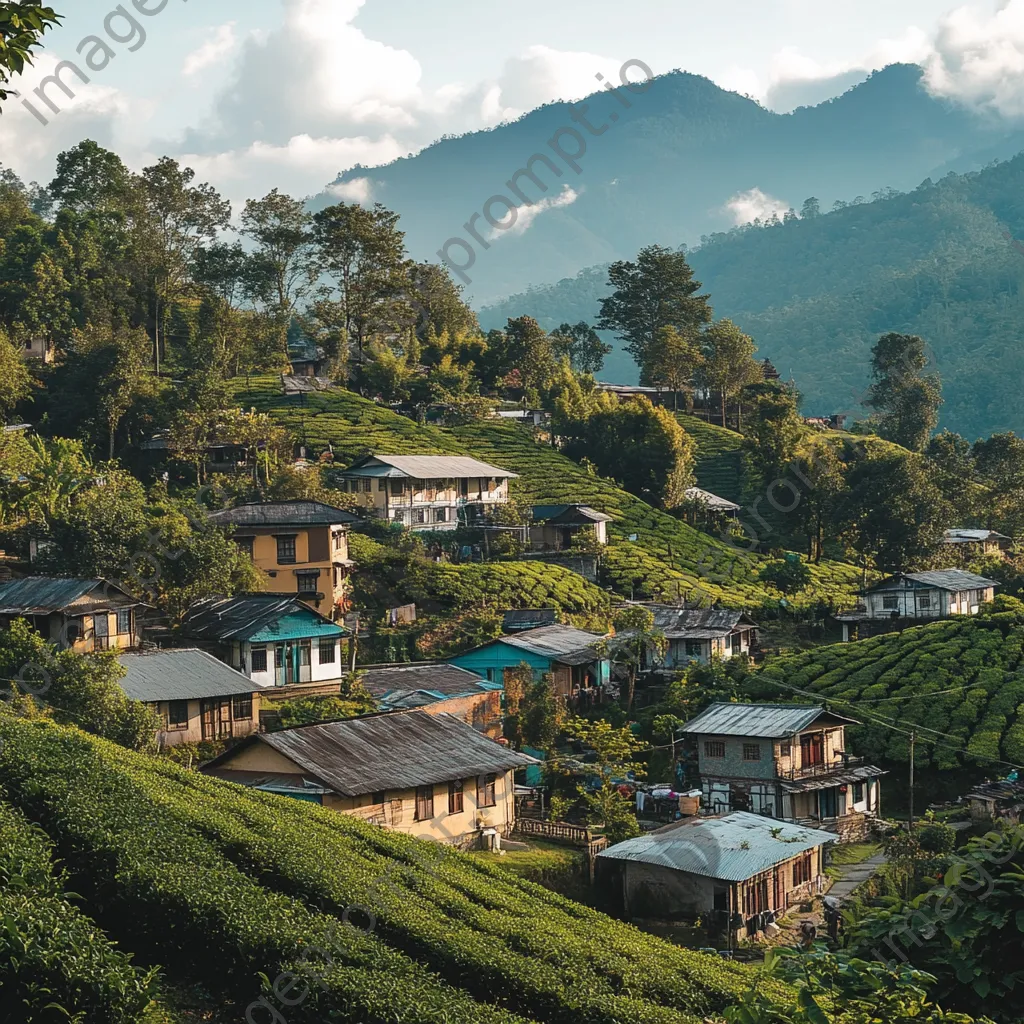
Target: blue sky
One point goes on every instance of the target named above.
(258, 93)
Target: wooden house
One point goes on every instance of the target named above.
(429, 775)
(556, 527)
(700, 634)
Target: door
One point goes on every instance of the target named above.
(812, 749)
(828, 803)
(101, 631)
(216, 719)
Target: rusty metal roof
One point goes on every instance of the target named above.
(697, 623)
(42, 595)
(437, 678)
(564, 644)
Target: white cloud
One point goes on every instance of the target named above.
(355, 190)
(541, 74)
(218, 47)
(526, 215)
(754, 204)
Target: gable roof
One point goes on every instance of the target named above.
(962, 536)
(260, 617)
(697, 623)
(43, 595)
(449, 680)
(389, 751)
(938, 579)
(283, 513)
(565, 644)
(568, 515)
(765, 721)
(711, 500)
(424, 467)
(181, 674)
(733, 848)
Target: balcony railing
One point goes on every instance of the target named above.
(819, 770)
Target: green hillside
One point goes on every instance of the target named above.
(960, 682)
(720, 467)
(223, 886)
(667, 558)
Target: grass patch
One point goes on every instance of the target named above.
(854, 853)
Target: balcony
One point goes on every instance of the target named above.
(819, 770)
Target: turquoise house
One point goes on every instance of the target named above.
(579, 668)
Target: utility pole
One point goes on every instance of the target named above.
(913, 736)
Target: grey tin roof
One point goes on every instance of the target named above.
(962, 536)
(711, 500)
(45, 594)
(569, 515)
(733, 848)
(446, 679)
(183, 674)
(696, 623)
(766, 721)
(389, 751)
(565, 644)
(283, 513)
(940, 579)
(840, 778)
(425, 467)
(242, 617)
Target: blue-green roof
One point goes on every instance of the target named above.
(295, 627)
(259, 618)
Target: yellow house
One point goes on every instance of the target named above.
(301, 545)
(431, 776)
(427, 492)
(196, 696)
(81, 614)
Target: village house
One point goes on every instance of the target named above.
(301, 545)
(427, 492)
(438, 689)
(275, 641)
(712, 502)
(916, 597)
(787, 761)
(38, 349)
(217, 456)
(81, 614)
(428, 775)
(701, 634)
(978, 543)
(1001, 801)
(196, 696)
(579, 669)
(556, 527)
(736, 873)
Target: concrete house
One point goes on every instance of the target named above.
(275, 641)
(916, 597)
(702, 634)
(427, 492)
(579, 670)
(81, 614)
(428, 775)
(302, 546)
(196, 696)
(555, 527)
(787, 761)
(736, 873)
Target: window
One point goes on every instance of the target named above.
(241, 708)
(785, 750)
(751, 751)
(419, 515)
(440, 515)
(177, 714)
(365, 486)
(378, 797)
(328, 651)
(424, 803)
(802, 870)
(455, 797)
(890, 602)
(245, 544)
(124, 621)
(858, 792)
(338, 539)
(397, 487)
(714, 748)
(694, 648)
(924, 601)
(101, 625)
(382, 485)
(308, 582)
(485, 796)
(286, 549)
(259, 659)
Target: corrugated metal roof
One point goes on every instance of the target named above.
(426, 467)
(283, 513)
(733, 848)
(767, 721)
(251, 616)
(568, 515)
(711, 500)
(389, 751)
(846, 778)
(971, 536)
(940, 579)
(181, 674)
(520, 619)
(43, 594)
(565, 644)
(697, 623)
(445, 679)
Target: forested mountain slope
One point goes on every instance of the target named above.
(940, 261)
(667, 558)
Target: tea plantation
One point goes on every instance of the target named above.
(960, 682)
(721, 465)
(668, 558)
(235, 891)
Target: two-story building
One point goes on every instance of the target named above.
(431, 776)
(787, 761)
(427, 492)
(275, 641)
(700, 634)
(81, 614)
(196, 696)
(916, 597)
(301, 545)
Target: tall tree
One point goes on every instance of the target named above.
(673, 361)
(729, 363)
(21, 30)
(773, 432)
(15, 380)
(1000, 463)
(280, 229)
(906, 397)
(581, 345)
(657, 290)
(953, 468)
(820, 477)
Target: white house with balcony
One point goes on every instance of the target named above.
(427, 492)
